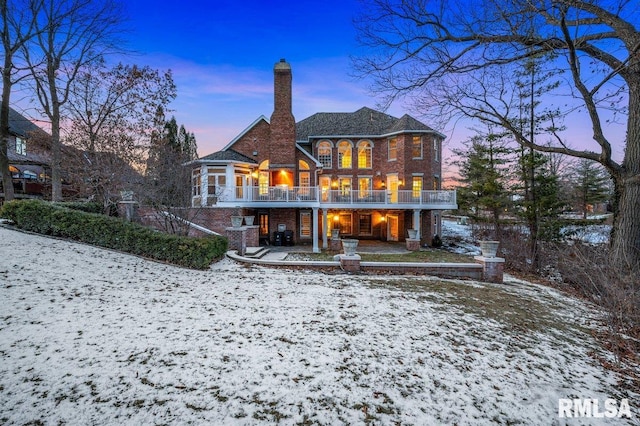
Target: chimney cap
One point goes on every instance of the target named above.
(282, 65)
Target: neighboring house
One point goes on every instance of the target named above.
(365, 174)
(28, 160)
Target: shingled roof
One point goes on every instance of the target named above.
(363, 122)
(228, 155)
(21, 126)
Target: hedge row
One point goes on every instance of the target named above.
(90, 207)
(104, 231)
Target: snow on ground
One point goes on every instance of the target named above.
(91, 336)
(458, 237)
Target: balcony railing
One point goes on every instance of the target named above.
(310, 196)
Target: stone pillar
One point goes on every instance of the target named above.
(237, 239)
(350, 264)
(492, 268)
(413, 244)
(252, 236)
(128, 210)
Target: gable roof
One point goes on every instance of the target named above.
(245, 131)
(364, 122)
(228, 155)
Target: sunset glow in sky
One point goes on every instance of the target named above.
(222, 53)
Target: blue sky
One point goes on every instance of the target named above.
(222, 55)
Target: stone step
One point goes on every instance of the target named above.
(256, 252)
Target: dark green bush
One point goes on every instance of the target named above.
(53, 219)
(88, 207)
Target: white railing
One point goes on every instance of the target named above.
(315, 195)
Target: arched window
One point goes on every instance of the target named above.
(365, 149)
(263, 178)
(303, 165)
(344, 155)
(324, 154)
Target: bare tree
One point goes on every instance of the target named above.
(109, 113)
(458, 58)
(18, 27)
(70, 35)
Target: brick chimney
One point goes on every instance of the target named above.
(283, 126)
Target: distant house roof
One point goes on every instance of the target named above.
(227, 156)
(20, 125)
(365, 122)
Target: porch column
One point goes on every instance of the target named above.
(204, 185)
(325, 243)
(315, 230)
(416, 222)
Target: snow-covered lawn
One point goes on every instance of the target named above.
(90, 336)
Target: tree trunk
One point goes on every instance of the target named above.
(7, 182)
(625, 240)
(56, 176)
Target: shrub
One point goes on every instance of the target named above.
(88, 207)
(105, 231)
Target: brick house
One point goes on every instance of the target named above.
(364, 175)
(28, 159)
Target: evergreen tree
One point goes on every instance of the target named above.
(590, 184)
(540, 211)
(168, 180)
(483, 174)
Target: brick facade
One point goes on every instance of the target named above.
(291, 154)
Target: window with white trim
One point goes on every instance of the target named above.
(416, 147)
(344, 185)
(364, 154)
(324, 154)
(416, 186)
(344, 155)
(392, 149)
(21, 146)
(436, 149)
(364, 187)
(196, 181)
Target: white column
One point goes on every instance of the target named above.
(416, 222)
(325, 223)
(204, 185)
(315, 230)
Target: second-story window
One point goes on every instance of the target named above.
(436, 150)
(393, 149)
(364, 155)
(416, 147)
(416, 186)
(21, 146)
(344, 155)
(324, 154)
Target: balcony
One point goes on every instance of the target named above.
(295, 197)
